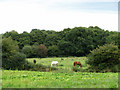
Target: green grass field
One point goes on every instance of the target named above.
(65, 65)
(56, 79)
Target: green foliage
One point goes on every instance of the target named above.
(113, 38)
(52, 38)
(34, 51)
(13, 34)
(76, 41)
(37, 51)
(9, 48)
(37, 36)
(53, 50)
(66, 48)
(11, 58)
(18, 61)
(27, 50)
(104, 57)
(41, 50)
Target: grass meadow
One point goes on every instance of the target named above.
(64, 77)
(64, 65)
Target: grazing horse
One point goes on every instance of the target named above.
(54, 63)
(78, 63)
(34, 61)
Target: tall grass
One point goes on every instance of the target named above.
(35, 79)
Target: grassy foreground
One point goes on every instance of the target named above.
(64, 77)
(32, 79)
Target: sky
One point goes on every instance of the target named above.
(25, 15)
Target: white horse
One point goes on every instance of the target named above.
(54, 63)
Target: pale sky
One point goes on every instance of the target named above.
(25, 15)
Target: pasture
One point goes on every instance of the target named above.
(64, 65)
(64, 77)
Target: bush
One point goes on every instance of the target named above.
(11, 57)
(27, 50)
(36, 67)
(41, 51)
(15, 62)
(18, 60)
(9, 48)
(104, 58)
(32, 67)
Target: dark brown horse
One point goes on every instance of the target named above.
(34, 61)
(77, 63)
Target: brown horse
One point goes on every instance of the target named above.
(34, 61)
(78, 63)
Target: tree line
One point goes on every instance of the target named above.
(77, 41)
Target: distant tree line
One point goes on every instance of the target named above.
(78, 41)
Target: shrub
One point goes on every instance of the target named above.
(18, 60)
(15, 62)
(27, 50)
(41, 51)
(11, 57)
(9, 48)
(36, 67)
(104, 58)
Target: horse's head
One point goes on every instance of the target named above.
(54, 63)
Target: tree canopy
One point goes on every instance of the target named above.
(77, 41)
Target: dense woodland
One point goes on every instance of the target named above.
(99, 45)
(78, 41)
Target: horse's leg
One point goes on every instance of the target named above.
(79, 66)
(51, 65)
